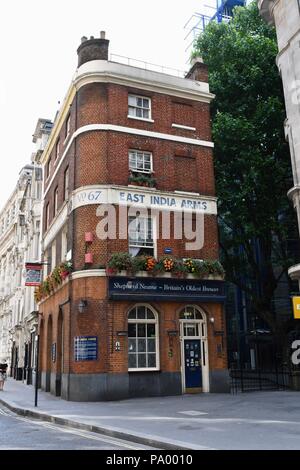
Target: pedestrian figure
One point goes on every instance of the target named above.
(3, 369)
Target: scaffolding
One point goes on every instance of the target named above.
(221, 12)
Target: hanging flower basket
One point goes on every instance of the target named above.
(53, 280)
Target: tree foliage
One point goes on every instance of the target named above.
(252, 162)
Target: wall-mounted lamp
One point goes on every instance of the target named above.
(216, 332)
(122, 333)
(82, 305)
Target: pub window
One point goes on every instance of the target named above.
(68, 125)
(55, 205)
(66, 184)
(139, 107)
(53, 255)
(57, 149)
(190, 313)
(143, 346)
(47, 216)
(140, 235)
(140, 161)
(64, 243)
(194, 322)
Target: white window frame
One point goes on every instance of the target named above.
(66, 183)
(154, 238)
(47, 216)
(138, 170)
(48, 168)
(134, 116)
(68, 126)
(38, 190)
(37, 235)
(53, 255)
(64, 243)
(145, 321)
(55, 202)
(57, 149)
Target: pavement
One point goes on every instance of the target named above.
(252, 421)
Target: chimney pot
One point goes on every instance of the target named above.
(83, 39)
(196, 59)
(102, 34)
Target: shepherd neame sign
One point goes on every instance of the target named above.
(125, 288)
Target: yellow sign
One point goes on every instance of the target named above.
(296, 307)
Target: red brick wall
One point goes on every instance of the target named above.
(86, 220)
(49, 312)
(99, 157)
(105, 318)
(102, 157)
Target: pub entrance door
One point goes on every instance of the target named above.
(194, 350)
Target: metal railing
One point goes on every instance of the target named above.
(252, 380)
(141, 64)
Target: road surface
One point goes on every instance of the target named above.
(19, 433)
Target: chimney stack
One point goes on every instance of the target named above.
(198, 71)
(93, 49)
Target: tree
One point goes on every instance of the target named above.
(252, 162)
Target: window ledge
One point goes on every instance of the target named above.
(146, 369)
(141, 171)
(140, 119)
(139, 186)
(181, 126)
(187, 193)
(168, 275)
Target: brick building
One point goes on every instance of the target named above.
(20, 228)
(131, 139)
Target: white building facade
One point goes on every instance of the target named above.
(20, 235)
(8, 221)
(285, 15)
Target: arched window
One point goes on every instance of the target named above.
(193, 322)
(190, 312)
(143, 344)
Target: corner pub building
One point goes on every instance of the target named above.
(129, 135)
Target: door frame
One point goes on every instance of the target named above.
(202, 327)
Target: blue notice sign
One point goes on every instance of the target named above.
(86, 348)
